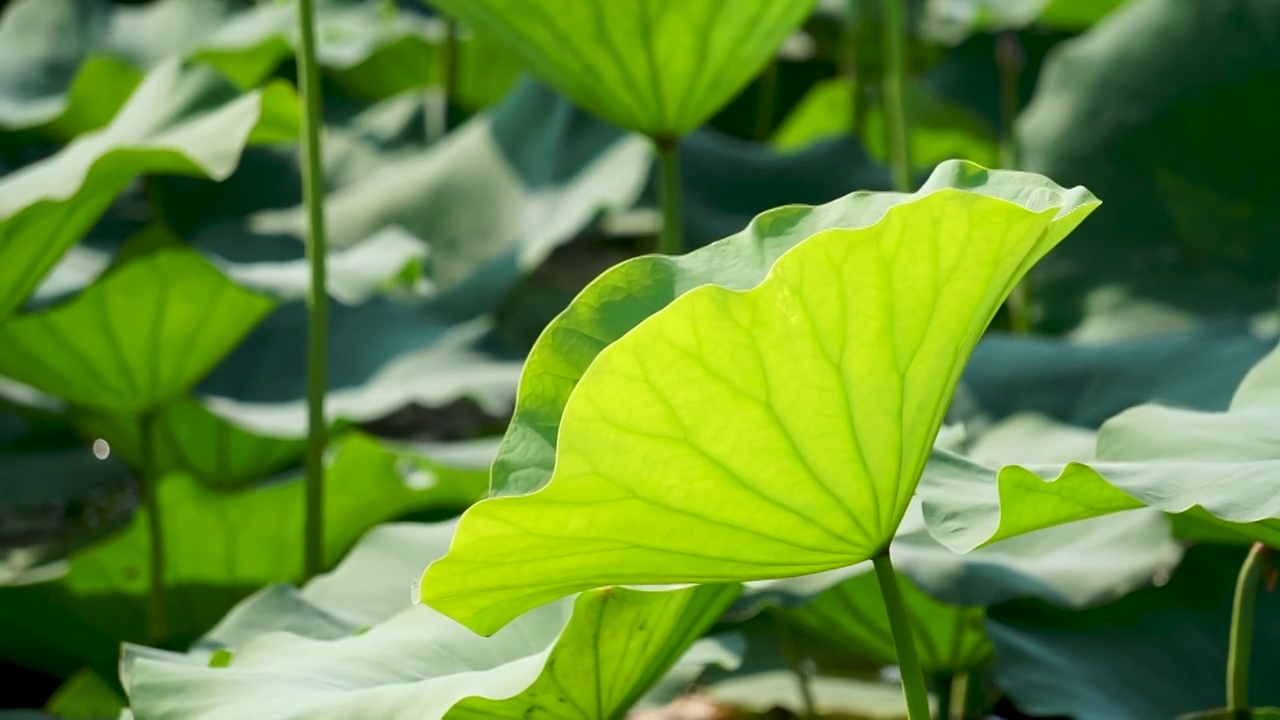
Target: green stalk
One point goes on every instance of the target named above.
(1009, 64)
(766, 100)
(317, 296)
(959, 707)
(1241, 644)
(671, 240)
(791, 653)
(859, 16)
(944, 684)
(900, 624)
(895, 79)
(149, 481)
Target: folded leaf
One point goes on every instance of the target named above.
(1216, 471)
(179, 121)
(286, 653)
(776, 431)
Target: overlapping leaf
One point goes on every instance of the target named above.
(1216, 471)
(286, 652)
(659, 67)
(182, 121)
(219, 548)
(683, 430)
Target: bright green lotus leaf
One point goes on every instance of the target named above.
(220, 547)
(625, 295)
(684, 430)
(179, 121)
(659, 67)
(285, 653)
(1215, 471)
(939, 131)
(951, 21)
(136, 340)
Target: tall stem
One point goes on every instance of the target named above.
(671, 241)
(895, 79)
(766, 100)
(317, 297)
(796, 661)
(148, 482)
(1010, 59)
(900, 624)
(1242, 627)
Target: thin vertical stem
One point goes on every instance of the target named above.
(959, 707)
(766, 100)
(895, 80)
(671, 240)
(944, 685)
(449, 59)
(317, 297)
(795, 660)
(148, 483)
(904, 644)
(1010, 59)
(1241, 642)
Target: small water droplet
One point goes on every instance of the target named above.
(415, 476)
(415, 592)
(101, 449)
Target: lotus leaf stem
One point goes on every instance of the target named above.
(671, 239)
(766, 100)
(1241, 643)
(317, 296)
(149, 481)
(1010, 60)
(895, 112)
(913, 685)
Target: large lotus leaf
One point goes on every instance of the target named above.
(139, 338)
(849, 432)
(1154, 654)
(660, 67)
(283, 653)
(1214, 470)
(939, 131)
(951, 21)
(625, 295)
(1153, 76)
(219, 548)
(179, 121)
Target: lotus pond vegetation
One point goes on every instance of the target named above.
(639, 359)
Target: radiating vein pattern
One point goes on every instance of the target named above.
(758, 433)
(660, 67)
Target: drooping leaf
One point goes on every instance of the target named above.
(1215, 471)
(659, 67)
(138, 339)
(284, 652)
(691, 398)
(220, 547)
(179, 121)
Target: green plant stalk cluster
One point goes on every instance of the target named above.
(671, 237)
(317, 296)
